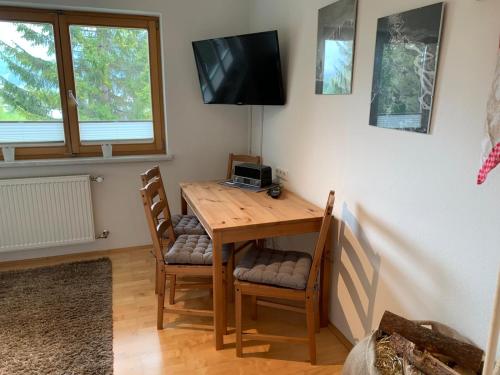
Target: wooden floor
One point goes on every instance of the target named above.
(186, 345)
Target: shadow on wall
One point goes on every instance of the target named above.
(414, 279)
(410, 284)
(357, 266)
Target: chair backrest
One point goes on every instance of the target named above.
(320, 244)
(148, 177)
(158, 217)
(240, 159)
(150, 174)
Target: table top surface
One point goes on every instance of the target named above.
(222, 208)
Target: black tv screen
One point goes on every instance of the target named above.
(244, 69)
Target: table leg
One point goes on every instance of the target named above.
(230, 277)
(219, 290)
(184, 206)
(325, 276)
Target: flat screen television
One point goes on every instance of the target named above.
(244, 69)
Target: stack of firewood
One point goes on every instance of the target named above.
(406, 347)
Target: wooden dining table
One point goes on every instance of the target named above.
(231, 215)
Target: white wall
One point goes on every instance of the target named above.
(417, 236)
(200, 136)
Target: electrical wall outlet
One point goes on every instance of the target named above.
(282, 174)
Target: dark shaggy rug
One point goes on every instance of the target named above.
(57, 320)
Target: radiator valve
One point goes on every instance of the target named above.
(98, 179)
(103, 235)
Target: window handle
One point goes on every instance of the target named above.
(72, 98)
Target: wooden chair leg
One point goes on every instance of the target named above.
(157, 280)
(311, 327)
(161, 297)
(238, 318)
(253, 310)
(171, 296)
(316, 312)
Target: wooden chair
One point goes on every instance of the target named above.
(179, 257)
(252, 281)
(183, 224)
(233, 158)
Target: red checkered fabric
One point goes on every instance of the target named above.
(491, 143)
(490, 163)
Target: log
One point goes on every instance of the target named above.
(423, 361)
(401, 345)
(466, 355)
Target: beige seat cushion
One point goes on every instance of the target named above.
(193, 249)
(187, 224)
(288, 269)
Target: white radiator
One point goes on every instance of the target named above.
(45, 211)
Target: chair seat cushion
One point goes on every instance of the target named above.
(187, 224)
(193, 249)
(288, 269)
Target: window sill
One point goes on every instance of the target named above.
(85, 161)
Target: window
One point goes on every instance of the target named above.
(72, 81)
